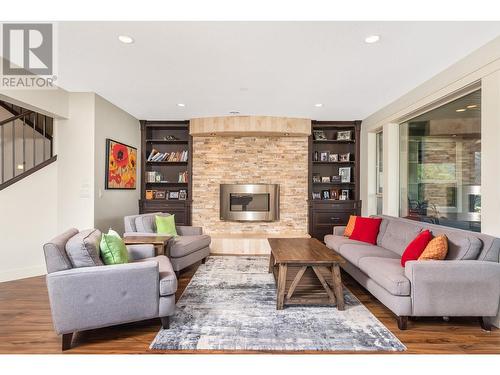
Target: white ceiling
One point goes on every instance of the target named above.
(261, 68)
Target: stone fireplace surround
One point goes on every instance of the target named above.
(269, 157)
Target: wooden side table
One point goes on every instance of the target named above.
(159, 242)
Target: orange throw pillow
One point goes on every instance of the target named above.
(436, 249)
(350, 226)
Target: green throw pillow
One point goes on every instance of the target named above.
(113, 249)
(166, 225)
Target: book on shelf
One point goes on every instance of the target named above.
(174, 156)
(154, 151)
(183, 177)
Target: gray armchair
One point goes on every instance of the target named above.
(92, 297)
(189, 247)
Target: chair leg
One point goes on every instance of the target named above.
(66, 341)
(204, 260)
(402, 322)
(484, 324)
(165, 322)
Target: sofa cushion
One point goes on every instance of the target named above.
(416, 247)
(113, 249)
(334, 242)
(83, 248)
(436, 249)
(388, 273)
(398, 234)
(366, 229)
(146, 223)
(165, 225)
(462, 245)
(56, 258)
(168, 281)
(183, 245)
(353, 252)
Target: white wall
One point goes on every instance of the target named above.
(110, 206)
(28, 219)
(75, 149)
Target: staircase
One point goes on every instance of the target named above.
(26, 142)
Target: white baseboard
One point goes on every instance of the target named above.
(22, 273)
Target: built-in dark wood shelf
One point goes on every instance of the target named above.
(321, 210)
(167, 162)
(333, 141)
(166, 183)
(164, 141)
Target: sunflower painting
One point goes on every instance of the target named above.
(121, 165)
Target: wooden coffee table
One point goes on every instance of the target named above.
(159, 242)
(306, 272)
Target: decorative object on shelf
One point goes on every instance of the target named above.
(121, 165)
(324, 156)
(345, 157)
(333, 158)
(183, 177)
(325, 194)
(335, 179)
(316, 178)
(170, 138)
(316, 195)
(157, 177)
(319, 135)
(345, 174)
(149, 194)
(344, 195)
(182, 195)
(173, 195)
(315, 156)
(344, 135)
(159, 194)
(334, 194)
(325, 179)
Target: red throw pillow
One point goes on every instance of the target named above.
(416, 247)
(366, 229)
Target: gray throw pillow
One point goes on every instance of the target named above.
(83, 248)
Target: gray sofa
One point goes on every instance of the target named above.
(189, 247)
(85, 294)
(466, 283)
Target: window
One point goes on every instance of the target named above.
(440, 165)
(380, 171)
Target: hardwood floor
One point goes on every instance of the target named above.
(26, 327)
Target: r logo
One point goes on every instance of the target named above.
(27, 49)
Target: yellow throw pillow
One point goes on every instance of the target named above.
(436, 249)
(350, 226)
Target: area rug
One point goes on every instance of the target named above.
(230, 304)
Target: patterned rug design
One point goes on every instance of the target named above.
(230, 304)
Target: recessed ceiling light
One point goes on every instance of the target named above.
(318, 105)
(472, 106)
(461, 110)
(126, 39)
(372, 39)
(234, 112)
(181, 105)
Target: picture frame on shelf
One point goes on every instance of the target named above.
(333, 158)
(345, 157)
(345, 174)
(316, 195)
(149, 194)
(334, 194)
(316, 178)
(344, 135)
(324, 155)
(335, 179)
(325, 179)
(159, 194)
(319, 135)
(345, 195)
(173, 195)
(325, 194)
(182, 195)
(316, 156)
